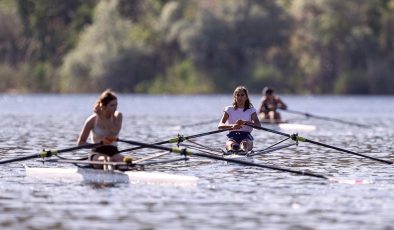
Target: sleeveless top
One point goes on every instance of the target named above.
(240, 114)
(98, 133)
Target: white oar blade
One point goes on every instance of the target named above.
(178, 127)
(350, 181)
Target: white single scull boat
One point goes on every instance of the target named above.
(90, 175)
(293, 127)
(288, 126)
(240, 157)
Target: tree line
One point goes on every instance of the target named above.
(197, 46)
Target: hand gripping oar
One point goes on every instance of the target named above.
(177, 139)
(49, 153)
(295, 137)
(325, 118)
(186, 152)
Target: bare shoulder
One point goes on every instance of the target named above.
(118, 115)
(90, 120)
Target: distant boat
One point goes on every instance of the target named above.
(284, 125)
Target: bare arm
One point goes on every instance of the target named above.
(281, 104)
(223, 120)
(118, 118)
(255, 120)
(262, 107)
(87, 127)
(223, 125)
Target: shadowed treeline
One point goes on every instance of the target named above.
(197, 46)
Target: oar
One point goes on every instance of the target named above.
(186, 152)
(177, 139)
(325, 118)
(295, 137)
(49, 153)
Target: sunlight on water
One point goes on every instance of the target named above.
(227, 195)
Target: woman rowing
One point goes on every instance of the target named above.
(103, 126)
(269, 105)
(236, 116)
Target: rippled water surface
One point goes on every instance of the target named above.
(227, 195)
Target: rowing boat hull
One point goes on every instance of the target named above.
(238, 157)
(89, 175)
(296, 127)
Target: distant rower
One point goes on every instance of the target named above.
(268, 106)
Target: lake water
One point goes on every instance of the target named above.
(226, 196)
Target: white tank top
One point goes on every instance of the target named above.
(240, 114)
(98, 133)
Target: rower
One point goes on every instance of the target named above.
(269, 105)
(235, 117)
(103, 126)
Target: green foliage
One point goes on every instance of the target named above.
(51, 25)
(380, 75)
(225, 43)
(132, 67)
(340, 39)
(14, 79)
(181, 78)
(265, 76)
(99, 45)
(355, 82)
(10, 33)
(8, 77)
(141, 11)
(8, 6)
(193, 46)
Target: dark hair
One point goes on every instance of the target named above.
(267, 90)
(106, 97)
(247, 105)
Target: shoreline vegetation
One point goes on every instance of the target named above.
(197, 46)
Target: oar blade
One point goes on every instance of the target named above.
(350, 181)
